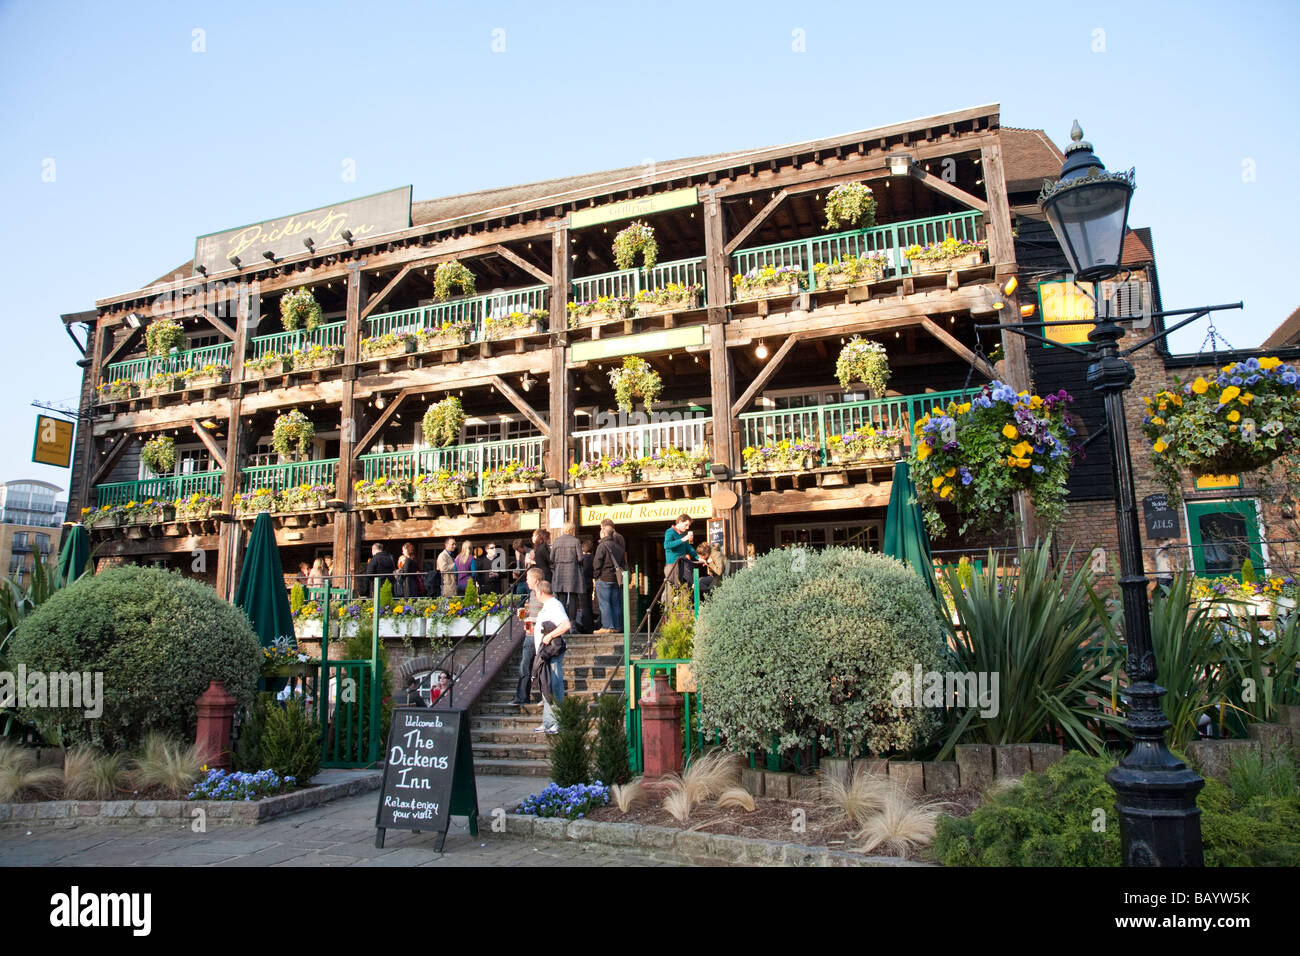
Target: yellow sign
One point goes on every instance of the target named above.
(1066, 302)
(53, 445)
(530, 521)
(1209, 482)
(631, 208)
(665, 511)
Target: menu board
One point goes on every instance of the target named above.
(428, 773)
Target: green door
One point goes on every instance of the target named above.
(1223, 534)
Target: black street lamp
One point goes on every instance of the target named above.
(1160, 824)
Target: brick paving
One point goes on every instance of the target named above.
(341, 833)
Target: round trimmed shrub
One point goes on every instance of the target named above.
(157, 637)
(800, 648)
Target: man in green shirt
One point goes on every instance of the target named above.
(677, 543)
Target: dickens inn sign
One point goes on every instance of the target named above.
(363, 218)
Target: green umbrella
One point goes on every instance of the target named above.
(261, 585)
(905, 535)
(74, 556)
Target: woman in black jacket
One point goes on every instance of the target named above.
(542, 552)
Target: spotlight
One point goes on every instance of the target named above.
(900, 164)
(233, 260)
(347, 236)
(134, 321)
(201, 270)
(1027, 311)
(1011, 285)
(268, 254)
(761, 351)
(311, 246)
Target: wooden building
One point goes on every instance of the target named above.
(740, 367)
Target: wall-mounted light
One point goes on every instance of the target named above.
(1027, 310)
(527, 382)
(268, 254)
(134, 321)
(761, 351)
(347, 236)
(900, 164)
(309, 243)
(1011, 285)
(233, 260)
(201, 270)
(380, 402)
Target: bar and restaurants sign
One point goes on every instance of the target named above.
(364, 218)
(631, 208)
(53, 445)
(665, 511)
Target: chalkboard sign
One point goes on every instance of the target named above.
(1161, 517)
(428, 773)
(717, 534)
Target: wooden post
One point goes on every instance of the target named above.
(345, 557)
(101, 339)
(561, 403)
(230, 537)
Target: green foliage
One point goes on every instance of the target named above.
(16, 602)
(1264, 663)
(471, 592)
(299, 308)
(1248, 575)
(677, 632)
(635, 379)
(159, 454)
(801, 648)
(611, 740)
(451, 276)
(443, 421)
(248, 747)
(293, 434)
(385, 599)
(159, 639)
(1045, 820)
(297, 598)
(1253, 819)
(863, 360)
(1041, 632)
(162, 336)
(850, 204)
(291, 743)
(570, 749)
(357, 648)
(636, 238)
(976, 455)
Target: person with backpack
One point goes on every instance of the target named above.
(607, 567)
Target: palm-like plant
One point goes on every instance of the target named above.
(1041, 634)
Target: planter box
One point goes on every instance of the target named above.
(767, 292)
(457, 628)
(536, 327)
(448, 338)
(405, 347)
(839, 456)
(603, 481)
(207, 381)
(784, 468)
(253, 374)
(304, 363)
(121, 394)
(681, 303)
(923, 266)
(168, 385)
(432, 496)
(839, 280)
(380, 501)
(651, 473)
(413, 626)
(316, 504)
(621, 310)
(247, 509)
(515, 488)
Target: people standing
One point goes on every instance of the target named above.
(304, 572)
(608, 566)
(379, 568)
(447, 568)
(552, 623)
(519, 585)
(496, 573)
(566, 579)
(464, 566)
(329, 569)
(677, 544)
(408, 573)
(585, 622)
(316, 574)
(542, 552)
(527, 614)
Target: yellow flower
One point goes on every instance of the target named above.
(936, 481)
(1176, 399)
(950, 473)
(1036, 402)
(1246, 398)
(922, 451)
(920, 424)
(1269, 363)
(1234, 416)
(1160, 445)
(963, 408)
(1010, 431)
(1200, 386)
(1228, 394)
(1157, 421)
(945, 491)
(1014, 462)
(1023, 450)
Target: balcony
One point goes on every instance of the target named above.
(291, 488)
(889, 241)
(169, 488)
(159, 373)
(433, 481)
(295, 351)
(472, 319)
(624, 284)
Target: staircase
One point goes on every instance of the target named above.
(502, 733)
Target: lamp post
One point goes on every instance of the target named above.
(1155, 792)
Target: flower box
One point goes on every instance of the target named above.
(256, 505)
(843, 456)
(254, 372)
(680, 473)
(120, 391)
(923, 266)
(514, 488)
(381, 498)
(402, 626)
(307, 361)
(604, 481)
(303, 504)
(430, 339)
(405, 346)
(841, 280)
(431, 495)
(159, 385)
(610, 310)
(207, 381)
(779, 467)
(680, 303)
(766, 291)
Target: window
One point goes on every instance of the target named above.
(1222, 535)
(854, 534)
(20, 542)
(43, 543)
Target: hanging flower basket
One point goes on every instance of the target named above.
(292, 434)
(607, 308)
(159, 454)
(451, 277)
(945, 256)
(514, 324)
(850, 204)
(975, 455)
(863, 360)
(162, 336)
(299, 309)
(672, 297)
(443, 337)
(443, 422)
(636, 239)
(635, 379)
(849, 271)
(767, 282)
(1242, 418)
(386, 345)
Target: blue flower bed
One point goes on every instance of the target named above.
(572, 803)
(229, 785)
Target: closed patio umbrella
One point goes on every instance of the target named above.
(74, 556)
(261, 590)
(905, 535)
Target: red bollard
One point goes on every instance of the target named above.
(216, 715)
(661, 731)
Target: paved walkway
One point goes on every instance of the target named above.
(341, 833)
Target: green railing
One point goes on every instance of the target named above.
(166, 488)
(628, 282)
(280, 477)
(471, 460)
(141, 369)
(474, 309)
(286, 342)
(694, 740)
(817, 423)
(890, 241)
(640, 441)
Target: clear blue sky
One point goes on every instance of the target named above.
(154, 143)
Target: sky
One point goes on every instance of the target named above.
(126, 130)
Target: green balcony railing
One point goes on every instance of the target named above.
(890, 241)
(816, 423)
(472, 460)
(166, 488)
(289, 475)
(628, 282)
(141, 369)
(473, 310)
(326, 336)
(640, 441)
